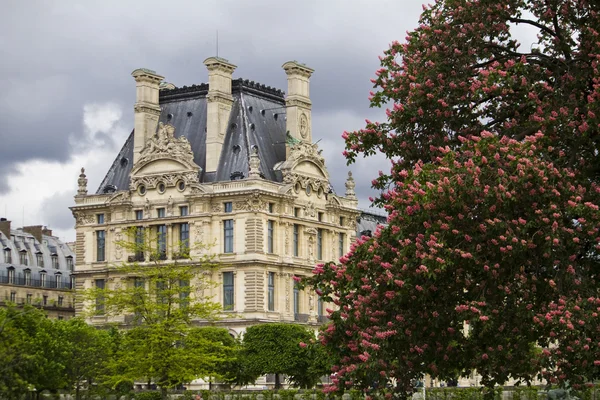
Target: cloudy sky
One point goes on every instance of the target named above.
(67, 94)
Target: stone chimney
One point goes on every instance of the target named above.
(46, 231)
(35, 231)
(218, 109)
(147, 110)
(5, 227)
(297, 102)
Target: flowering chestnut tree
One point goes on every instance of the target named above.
(490, 258)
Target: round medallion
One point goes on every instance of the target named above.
(303, 125)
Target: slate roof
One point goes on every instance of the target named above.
(21, 241)
(257, 119)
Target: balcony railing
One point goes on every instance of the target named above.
(38, 302)
(23, 281)
(301, 317)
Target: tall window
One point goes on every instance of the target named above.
(8, 256)
(161, 240)
(270, 236)
(296, 300)
(100, 218)
(45, 300)
(23, 257)
(139, 214)
(319, 306)
(228, 291)
(228, 236)
(100, 246)
(39, 259)
(60, 301)
(100, 284)
(183, 211)
(184, 294)
(13, 297)
(341, 239)
(27, 277)
(228, 207)
(160, 212)
(55, 261)
(319, 244)
(139, 243)
(43, 279)
(69, 263)
(11, 275)
(184, 238)
(29, 297)
(271, 292)
(296, 239)
(58, 280)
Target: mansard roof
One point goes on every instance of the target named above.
(50, 246)
(257, 119)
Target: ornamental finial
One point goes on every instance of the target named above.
(350, 185)
(82, 183)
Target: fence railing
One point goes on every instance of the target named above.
(50, 283)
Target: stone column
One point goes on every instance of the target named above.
(218, 109)
(297, 102)
(147, 110)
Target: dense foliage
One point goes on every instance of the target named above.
(490, 259)
(280, 348)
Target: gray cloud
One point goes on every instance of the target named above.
(56, 211)
(65, 54)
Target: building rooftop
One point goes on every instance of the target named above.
(257, 119)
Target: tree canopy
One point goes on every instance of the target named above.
(279, 348)
(160, 300)
(489, 261)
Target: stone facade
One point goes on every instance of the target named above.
(35, 268)
(255, 186)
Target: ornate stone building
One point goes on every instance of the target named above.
(35, 268)
(232, 163)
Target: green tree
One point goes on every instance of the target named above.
(84, 353)
(29, 352)
(159, 299)
(490, 258)
(276, 349)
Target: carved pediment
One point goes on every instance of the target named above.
(165, 159)
(305, 165)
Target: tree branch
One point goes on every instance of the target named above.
(533, 23)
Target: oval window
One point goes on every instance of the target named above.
(181, 186)
(142, 190)
(161, 187)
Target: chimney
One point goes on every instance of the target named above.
(146, 108)
(46, 231)
(218, 109)
(297, 102)
(5, 227)
(35, 231)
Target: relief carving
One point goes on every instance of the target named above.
(253, 203)
(84, 219)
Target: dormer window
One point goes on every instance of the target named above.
(55, 261)
(8, 256)
(23, 257)
(40, 259)
(58, 280)
(43, 278)
(70, 263)
(27, 273)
